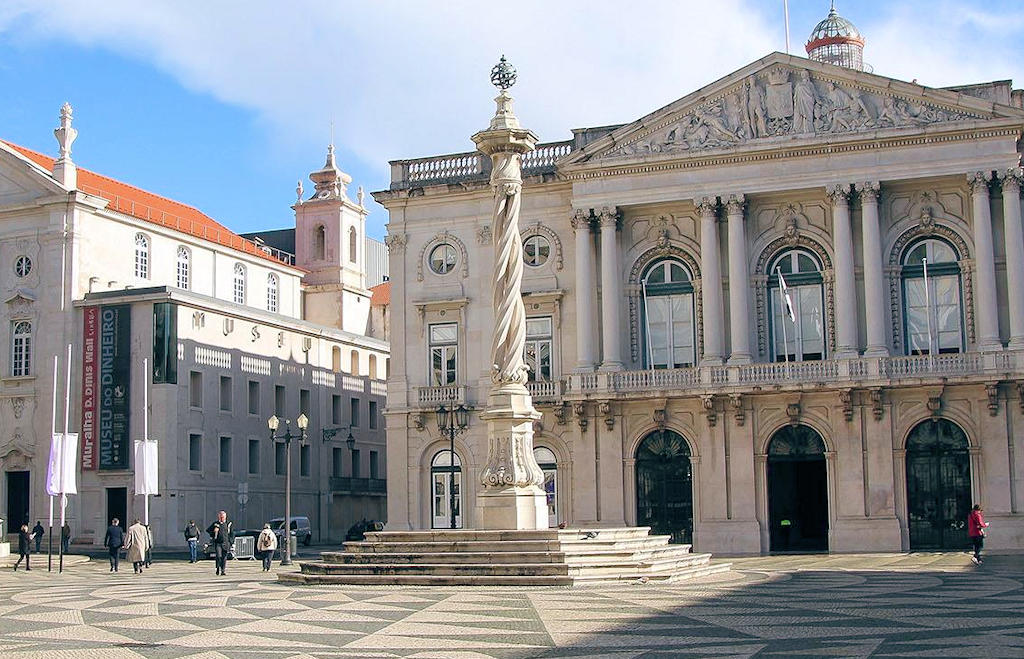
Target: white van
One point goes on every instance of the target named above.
(301, 529)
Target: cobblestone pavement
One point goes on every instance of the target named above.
(891, 605)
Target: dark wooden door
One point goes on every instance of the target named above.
(938, 486)
(664, 486)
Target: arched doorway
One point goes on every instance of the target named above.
(938, 485)
(548, 464)
(445, 491)
(797, 490)
(664, 485)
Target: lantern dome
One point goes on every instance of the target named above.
(836, 40)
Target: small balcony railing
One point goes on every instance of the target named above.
(348, 485)
(545, 391)
(434, 396)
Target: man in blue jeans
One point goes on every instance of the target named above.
(192, 538)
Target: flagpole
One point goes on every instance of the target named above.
(63, 442)
(145, 430)
(783, 308)
(928, 311)
(53, 431)
(647, 327)
(785, 10)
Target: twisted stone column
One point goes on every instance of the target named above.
(511, 497)
(986, 311)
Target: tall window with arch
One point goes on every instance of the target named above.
(319, 243)
(238, 285)
(548, 464)
(273, 292)
(445, 490)
(21, 348)
(184, 267)
(669, 323)
(796, 298)
(353, 245)
(373, 367)
(142, 256)
(336, 359)
(932, 298)
(354, 362)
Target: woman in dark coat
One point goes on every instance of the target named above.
(24, 547)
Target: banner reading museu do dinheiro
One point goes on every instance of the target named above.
(106, 382)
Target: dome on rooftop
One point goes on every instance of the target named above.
(837, 41)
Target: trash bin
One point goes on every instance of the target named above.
(293, 546)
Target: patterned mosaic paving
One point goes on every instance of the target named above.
(828, 606)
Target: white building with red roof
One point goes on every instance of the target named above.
(231, 331)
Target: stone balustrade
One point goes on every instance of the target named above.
(545, 391)
(471, 165)
(435, 396)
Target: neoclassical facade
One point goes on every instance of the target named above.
(780, 313)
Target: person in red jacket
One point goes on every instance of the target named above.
(976, 526)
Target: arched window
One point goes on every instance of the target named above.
(548, 464)
(932, 298)
(184, 267)
(445, 490)
(21, 348)
(354, 362)
(141, 256)
(669, 327)
(336, 359)
(373, 367)
(319, 243)
(273, 286)
(238, 287)
(353, 245)
(796, 298)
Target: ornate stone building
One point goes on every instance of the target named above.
(782, 312)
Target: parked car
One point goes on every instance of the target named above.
(300, 527)
(357, 532)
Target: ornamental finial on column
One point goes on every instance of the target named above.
(64, 169)
(503, 76)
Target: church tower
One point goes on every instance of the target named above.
(836, 40)
(330, 243)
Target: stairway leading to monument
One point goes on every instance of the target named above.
(550, 557)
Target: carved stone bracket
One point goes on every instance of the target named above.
(560, 413)
(934, 403)
(484, 235)
(877, 408)
(736, 404)
(18, 406)
(793, 411)
(707, 403)
(419, 420)
(992, 393)
(846, 399)
(580, 411)
(396, 242)
(1020, 395)
(660, 415)
(604, 408)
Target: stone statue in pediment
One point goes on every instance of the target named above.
(803, 104)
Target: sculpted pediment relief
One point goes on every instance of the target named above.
(780, 101)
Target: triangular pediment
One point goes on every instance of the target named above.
(782, 99)
(22, 180)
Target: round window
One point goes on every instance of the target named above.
(443, 259)
(22, 266)
(536, 250)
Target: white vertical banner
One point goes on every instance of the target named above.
(62, 468)
(146, 467)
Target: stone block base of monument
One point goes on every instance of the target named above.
(5, 549)
(548, 557)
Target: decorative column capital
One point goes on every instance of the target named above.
(580, 220)
(735, 204)
(839, 194)
(978, 182)
(1012, 180)
(608, 217)
(707, 206)
(869, 192)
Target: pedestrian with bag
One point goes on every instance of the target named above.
(65, 537)
(266, 543)
(24, 547)
(192, 539)
(149, 545)
(222, 536)
(113, 541)
(37, 533)
(136, 544)
(976, 526)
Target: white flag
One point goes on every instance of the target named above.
(61, 474)
(146, 467)
(786, 297)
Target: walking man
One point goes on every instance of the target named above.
(192, 538)
(221, 537)
(24, 547)
(37, 533)
(976, 526)
(113, 541)
(65, 537)
(136, 544)
(267, 545)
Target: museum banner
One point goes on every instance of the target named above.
(106, 382)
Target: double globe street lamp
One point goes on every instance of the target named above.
(452, 420)
(287, 436)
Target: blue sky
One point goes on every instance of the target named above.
(226, 105)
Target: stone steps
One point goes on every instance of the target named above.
(466, 557)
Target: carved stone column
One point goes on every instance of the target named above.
(986, 312)
(1013, 234)
(711, 282)
(510, 494)
(846, 291)
(611, 291)
(739, 284)
(874, 282)
(586, 355)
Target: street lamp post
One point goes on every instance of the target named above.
(452, 420)
(287, 436)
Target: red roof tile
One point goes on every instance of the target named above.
(380, 294)
(147, 206)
